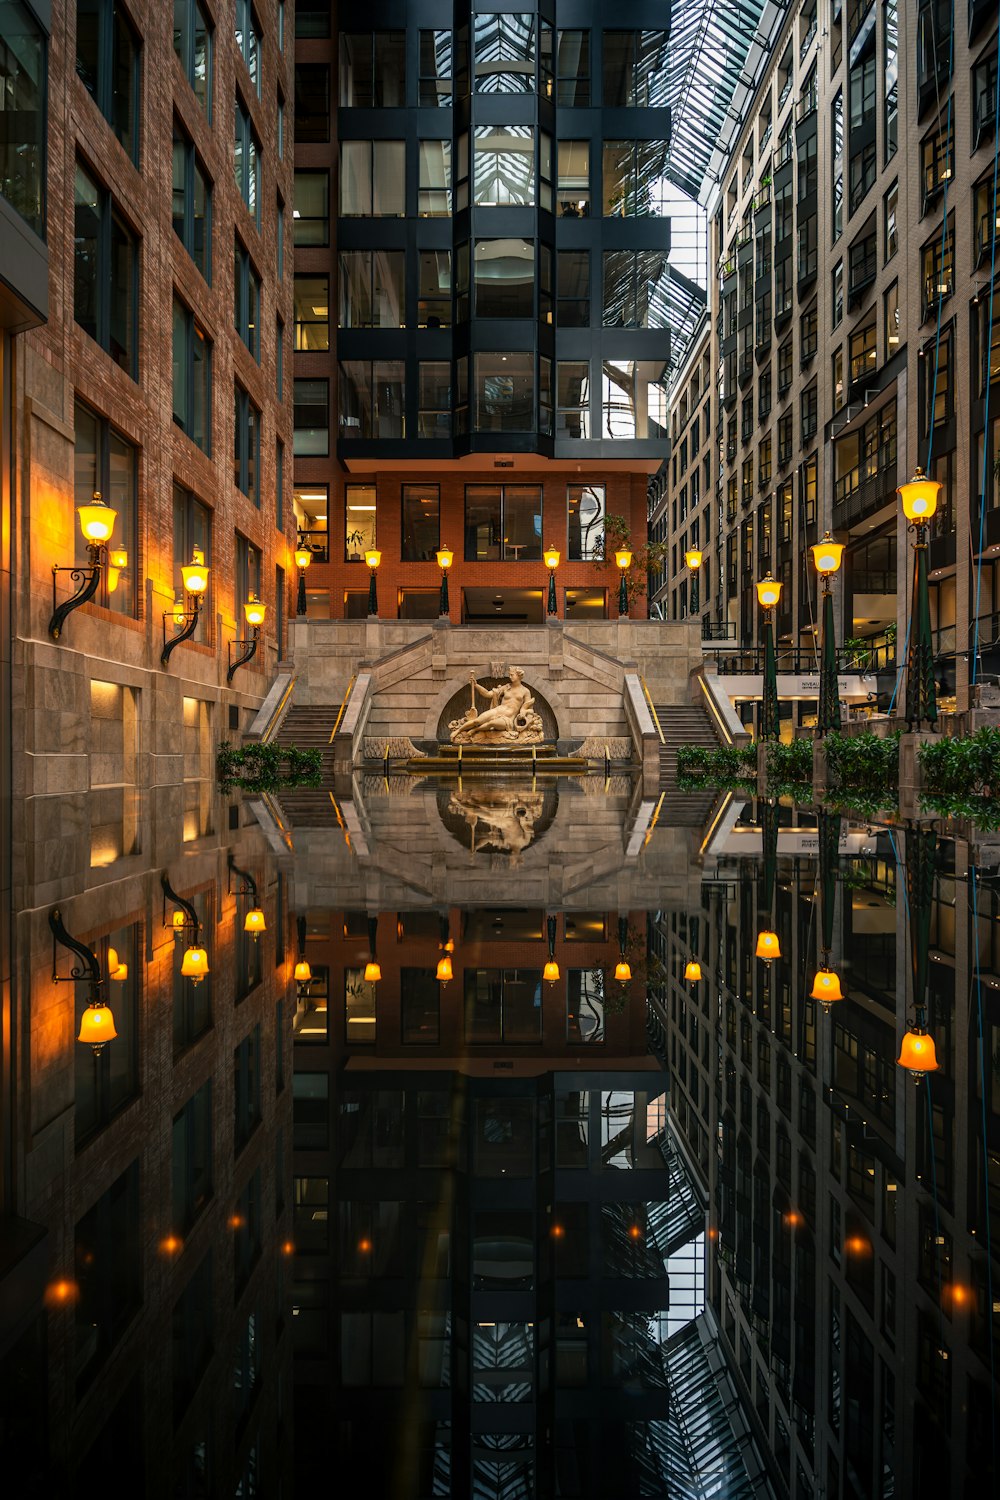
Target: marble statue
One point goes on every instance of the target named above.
(510, 721)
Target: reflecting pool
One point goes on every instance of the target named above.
(506, 1138)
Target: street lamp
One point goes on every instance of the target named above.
(195, 576)
(920, 500)
(254, 612)
(372, 559)
(828, 555)
(692, 560)
(303, 557)
(768, 594)
(552, 562)
(97, 522)
(445, 558)
(623, 560)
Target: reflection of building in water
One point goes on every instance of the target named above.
(497, 821)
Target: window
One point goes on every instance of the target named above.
(635, 69)
(193, 45)
(864, 351)
(937, 259)
(573, 179)
(421, 505)
(837, 133)
(372, 179)
(249, 40)
(105, 461)
(108, 1270)
(434, 399)
(806, 165)
(434, 183)
(503, 48)
(984, 93)
(23, 88)
(246, 298)
(420, 1008)
(435, 69)
(585, 504)
(372, 399)
(192, 1003)
(837, 378)
(573, 68)
(635, 289)
(987, 343)
(192, 1159)
(280, 125)
(809, 413)
(572, 288)
(890, 50)
(246, 445)
(784, 438)
(863, 165)
(192, 361)
(311, 214)
(310, 1214)
(890, 320)
(192, 529)
(107, 61)
(312, 312)
(192, 202)
(634, 183)
(359, 515)
(247, 161)
(373, 70)
(862, 265)
(784, 366)
(312, 18)
(433, 288)
(192, 1336)
(504, 392)
(838, 292)
(106, 1083)
(504, 165)
(503, 523)
(360, 1011)
(248, 580)
(106, 273)
(633, 400)
(312, 102)
(246, 1088)
(311, 436)
(502, 1005)
(246, 1237)
(504, 278)
(573, 399)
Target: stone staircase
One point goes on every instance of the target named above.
(309, 727)
(683, 724)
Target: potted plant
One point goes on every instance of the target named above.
(354, 540)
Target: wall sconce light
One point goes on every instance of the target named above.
(551, 970)
(692, 971)
(97, 1024)
(302, 973)
(623, 969)
(253, 923)
(372, 559)
(117, 563)
(445, 558)
(373, 970)
(195, 576)
(444, 968)
(184, 919)
(768, 946)
(97, 522)
(254, 611)
(303, 557)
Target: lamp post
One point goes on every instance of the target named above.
(920, 500)
(303, 557)
(97, 522)
(768, 594)
(552, 562)
(445, 558)
(195, 576)
(827, 556)
(768, 946)
(372, 558)
(693, 560)
(623, 969)
(254, 612)
(551, 970)
(623, 560)
(373, 969)
(917, 1053)
(826, 986)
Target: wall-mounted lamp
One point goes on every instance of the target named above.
(302, 973)
(97, 522)
(692, 971)
(97, 1024)
(253, 923)
(183, 921)
(445, 558)
(254, 611)
(444, 968)
(195, 576)
(372, 559)
(117, 563)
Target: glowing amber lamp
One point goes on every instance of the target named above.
(194, 964)
(551, 971)
(179, 918)
(919, 497)
(444, 969)
(302, 973)
(97, 520)
(97, 1026)
(373, 557)
(692, 970)
(634, 1233)
(827, 554)
(623, 971)
(254, 611)
(172, 1245)
(303, 557)
(62, 1293)
(373, 971)
(254, 923)
(826, 987)
(558, 1231)
(364, 1246)
(445, 557)
(117, 562)
(917, 1054)
(623, 559)
(768, 592)
(692, 559)
(179, 612)
(551, 556)
(195, 574)
(768, 946)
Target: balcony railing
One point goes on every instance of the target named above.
(808, 40)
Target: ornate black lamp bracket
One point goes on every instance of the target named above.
(248, 886)
(90, 972)
(192, 617)
(169, 894)
(88, 578)
(247, 654)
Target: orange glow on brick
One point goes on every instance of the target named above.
(364, 1246)
(558, 1232)
(172, 1244)
(62, 1293)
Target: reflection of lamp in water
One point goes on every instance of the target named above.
(768, 947)
(826, 986)
(253, 923)
(184, 918)
(623, 970)
(551, 970)
(768, 594)
(302, 972)
(373, 971)
(692, 970)
(917, 1053)
(97, 1024)
(444, 967)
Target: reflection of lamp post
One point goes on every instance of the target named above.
(551, 970)
(920, 499)
(253, 923)
(195, 576)
(373, 969)
(194, 964)
(768, 594)
(97, 1024)
(97, 522)
(303, 557)
(692, 971)
(692, 561)
(552, 562)
(444, 970)
(623, 969)
(917, 1053)
(445, 557)
(826, 985)
(302, 973)
(372, 558)
(827, 555)
(254, 612)
(768, 947)
(623, 559)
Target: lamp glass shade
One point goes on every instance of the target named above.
(119, 973)
(97, 520)
(444, 969)
(254, 611)
(303, 557)
(445, 558)
(373, 557)
(551, 971)
(195, 574)
(623, 558)
(303, 973)
(768, 946)
(254, 922)
(118, 558)
(194, 964)
(692, 559)
(551, 556)
(826, 987)
(917, 1053)
(919, 497)
(113, 960)
(179, 611)
(827, 554)
(692, 970)
(768, 592)
(623, 971)
(179, 918)
(373, 971)
(97, 1025)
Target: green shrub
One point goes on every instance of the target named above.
(983, 811)
(963, 767)
(791, 764)
(266, 768)
(723, 765)
(863, 763)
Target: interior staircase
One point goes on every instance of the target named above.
(683, 724)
